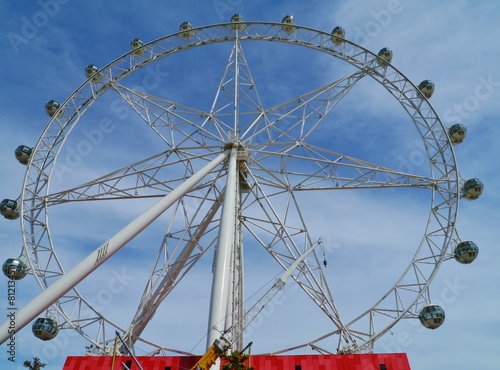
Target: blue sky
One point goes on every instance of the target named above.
(45, 47)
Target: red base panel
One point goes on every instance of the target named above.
(386, 361)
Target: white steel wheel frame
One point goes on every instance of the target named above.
(194, 137)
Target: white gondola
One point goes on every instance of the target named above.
(136, 46)
(14, 268)
(431, 316)
(91, 71)
(288, 24)
(186, 29)
(384, 57)
(45, 328)
(427, 88)
(466, 252)
(338, 35)
(23, 154)
(52, 107)
(9, 209)
(472, 189)
(237, 21)
(457, 133)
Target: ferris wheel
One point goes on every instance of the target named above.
(267, 160)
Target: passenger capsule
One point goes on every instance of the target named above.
(427, 88)
(23, 154)
(236, 19)
(45, 328)
(288, 23)
(92, 71)
(136, 46)
(457, 133)
(385, 56)
(8, 209)
(466, 252)
(186, 29)
(472, 189)
(431, 316)
(52, 107)
(338, 35)
(14, 268)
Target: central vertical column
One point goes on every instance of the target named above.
(236, 88)
(236, 306)
(222, 270)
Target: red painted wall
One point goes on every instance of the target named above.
(392, 361)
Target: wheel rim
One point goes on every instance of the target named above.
(285, 149)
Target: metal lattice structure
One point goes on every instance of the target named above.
(273, 155)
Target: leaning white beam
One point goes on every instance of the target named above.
(69, 280)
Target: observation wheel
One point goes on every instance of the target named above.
(269, 155)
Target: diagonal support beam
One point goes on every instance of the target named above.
(69, 280)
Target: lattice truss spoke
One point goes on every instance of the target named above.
(306, 167)
(295, 120)
(274, 219)
(151, 177)
(176, 124)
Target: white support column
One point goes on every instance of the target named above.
(222, 275)
(236, 312)
(66, 282)
(236, 102)
(241, 308)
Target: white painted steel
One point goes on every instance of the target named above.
(271, 164)
(222, 275)
(69, 280)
